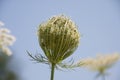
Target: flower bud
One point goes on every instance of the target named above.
(58, 37)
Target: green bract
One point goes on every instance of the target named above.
(58, 37)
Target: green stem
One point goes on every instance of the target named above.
(52, 71)
(103, 76)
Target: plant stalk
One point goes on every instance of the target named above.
(52, 71)
(103, 76)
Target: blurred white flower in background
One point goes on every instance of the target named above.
(101, 63)
(6, 39)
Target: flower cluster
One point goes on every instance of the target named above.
(101, 62)
(6, 39)
(58, 37)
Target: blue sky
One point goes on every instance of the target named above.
(98, 21)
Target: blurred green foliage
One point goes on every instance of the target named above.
(5, 72)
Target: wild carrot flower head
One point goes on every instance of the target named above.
(58, 37)
(101, 62)
(6, 39)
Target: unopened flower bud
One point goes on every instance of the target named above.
(58, 37)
